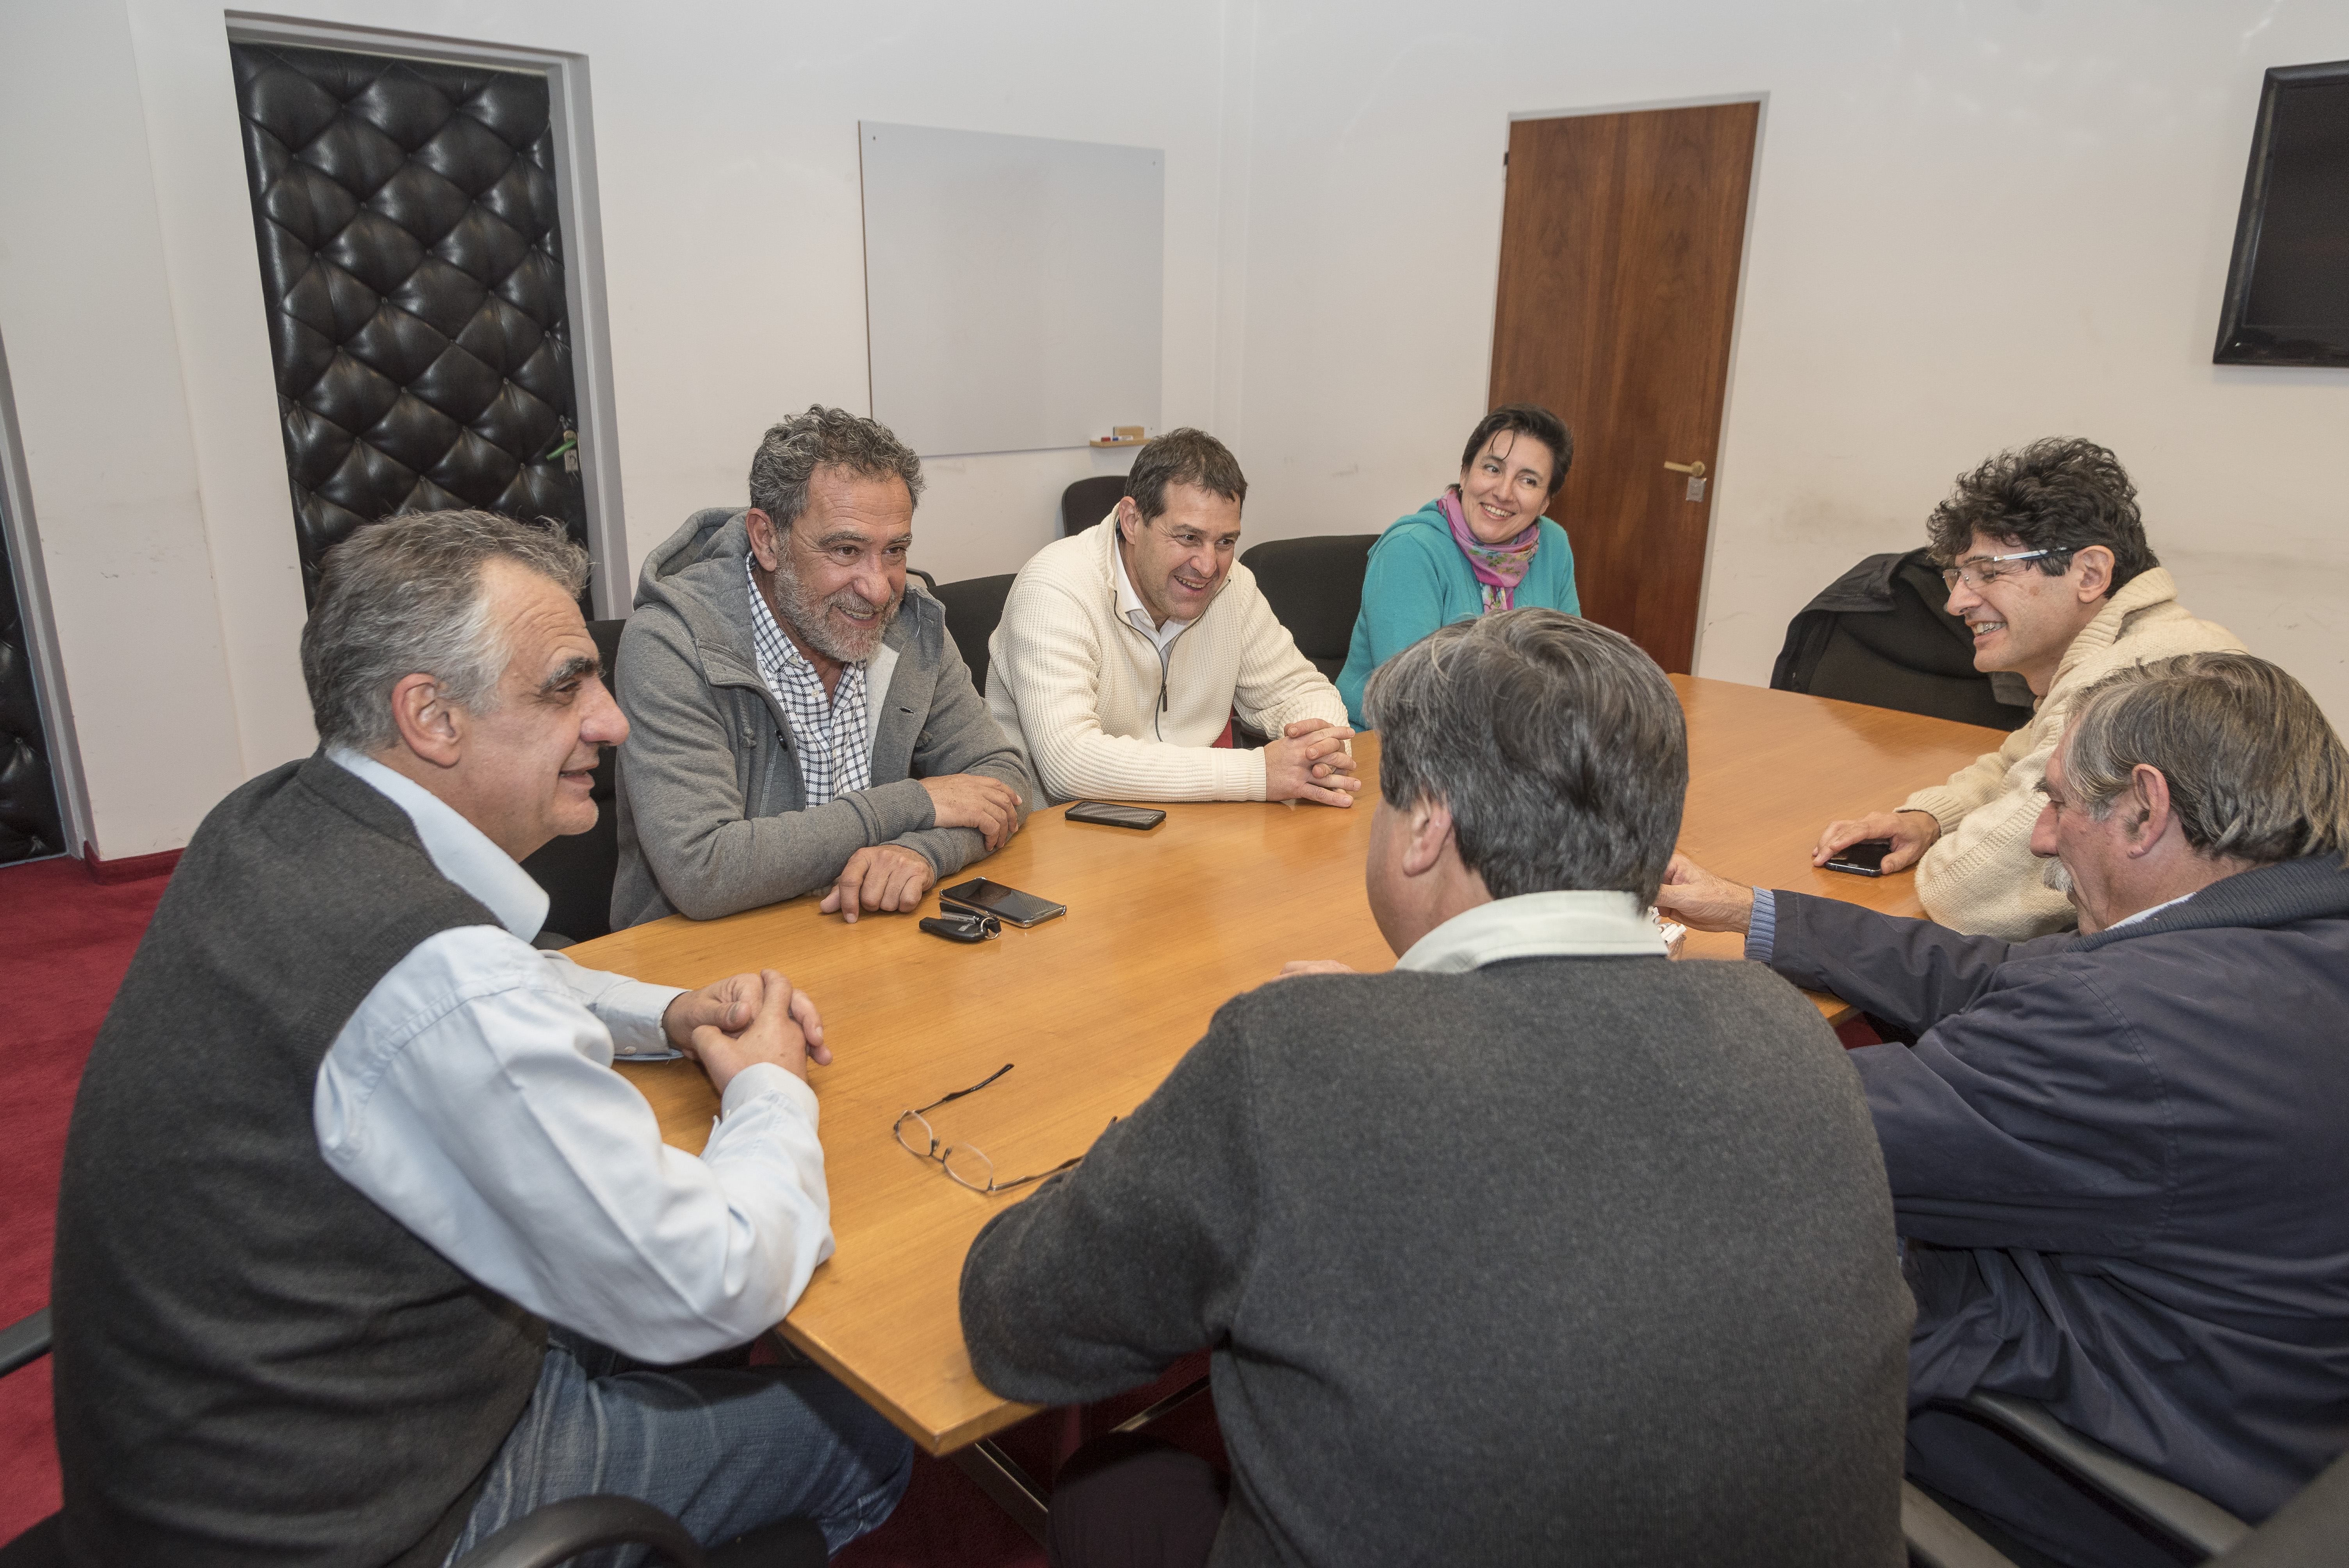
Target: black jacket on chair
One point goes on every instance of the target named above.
(1879, 635)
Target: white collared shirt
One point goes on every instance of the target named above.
(2148, 913)
(1129, 606)
(471, 1097)
(1582, 923)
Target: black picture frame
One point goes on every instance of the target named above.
(2241, 340)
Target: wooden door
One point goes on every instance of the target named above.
(1619, 247)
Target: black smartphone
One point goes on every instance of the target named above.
(1864, 859)
(1006, 903)
(1111, 814)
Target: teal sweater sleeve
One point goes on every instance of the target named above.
(1418, 581)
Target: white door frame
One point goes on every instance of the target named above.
(41, 628)
(583, 249)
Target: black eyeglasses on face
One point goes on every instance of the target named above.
(966, 1164)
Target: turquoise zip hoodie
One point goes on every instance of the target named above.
(1418, 580)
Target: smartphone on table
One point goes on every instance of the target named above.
(1864, 859)
(1108, 814)
(1008, 904)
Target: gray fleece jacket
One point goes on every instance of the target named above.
(713, 816)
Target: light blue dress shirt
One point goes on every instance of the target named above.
(471, 1096)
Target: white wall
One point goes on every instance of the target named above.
(726, 156)
(102, 404)
(1974, 224)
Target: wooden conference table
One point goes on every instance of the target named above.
(1095, 1008)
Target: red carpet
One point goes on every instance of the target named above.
(64, 942)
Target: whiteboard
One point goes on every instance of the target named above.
(1013, 287)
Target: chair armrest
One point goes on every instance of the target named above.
(27, 1339)
(1936, 1539)
(560, 1531)
(2309, 1529)
(2194, 1521)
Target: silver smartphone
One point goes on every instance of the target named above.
(1008, 904)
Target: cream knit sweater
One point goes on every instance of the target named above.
(1078, 687)
(1980, 877)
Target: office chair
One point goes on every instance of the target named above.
(1087, 502)
(1314, 588)
(1878, 634)
(577, 869)
(550, 1536)
(2309, 1531)
(973, 607)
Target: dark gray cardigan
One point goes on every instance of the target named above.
(1568, 1260)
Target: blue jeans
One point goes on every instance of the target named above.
(723, 1449)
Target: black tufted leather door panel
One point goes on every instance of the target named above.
(29, 828)
(412, 265)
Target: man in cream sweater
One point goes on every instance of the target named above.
(1126, 653)
(2047, 562)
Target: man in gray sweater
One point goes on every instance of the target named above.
(1541, 1248)
(798, 720)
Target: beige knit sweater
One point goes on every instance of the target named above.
(1078, 688)
(1980, 877)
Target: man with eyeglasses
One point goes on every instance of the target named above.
(803, 721)
(1540, 1248)
(2047, 564)
(1129, 653)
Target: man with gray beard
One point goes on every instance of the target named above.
(799, 720)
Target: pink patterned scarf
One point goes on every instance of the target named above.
(1499, 568)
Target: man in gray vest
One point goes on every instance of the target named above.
(1541, 1248)
(362, 1245)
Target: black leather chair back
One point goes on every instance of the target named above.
(1879, 635)
(1315, 587)
(577, 869)
(1087, 502)
(973, 607)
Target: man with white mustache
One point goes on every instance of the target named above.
(2047, 564)
(801, 721)
(2115, 1154)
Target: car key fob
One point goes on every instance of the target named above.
(956, 926)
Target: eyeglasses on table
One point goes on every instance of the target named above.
(966, 1164)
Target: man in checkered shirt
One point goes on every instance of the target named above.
(798, 720)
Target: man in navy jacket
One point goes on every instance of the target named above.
(2120, 1158)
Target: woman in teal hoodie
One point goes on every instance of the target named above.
(1483, 545)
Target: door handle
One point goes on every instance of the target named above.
(1694, 470)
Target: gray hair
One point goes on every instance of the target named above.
(407, 596)
(790, 453)
(1557, 745)
(2255, 772)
